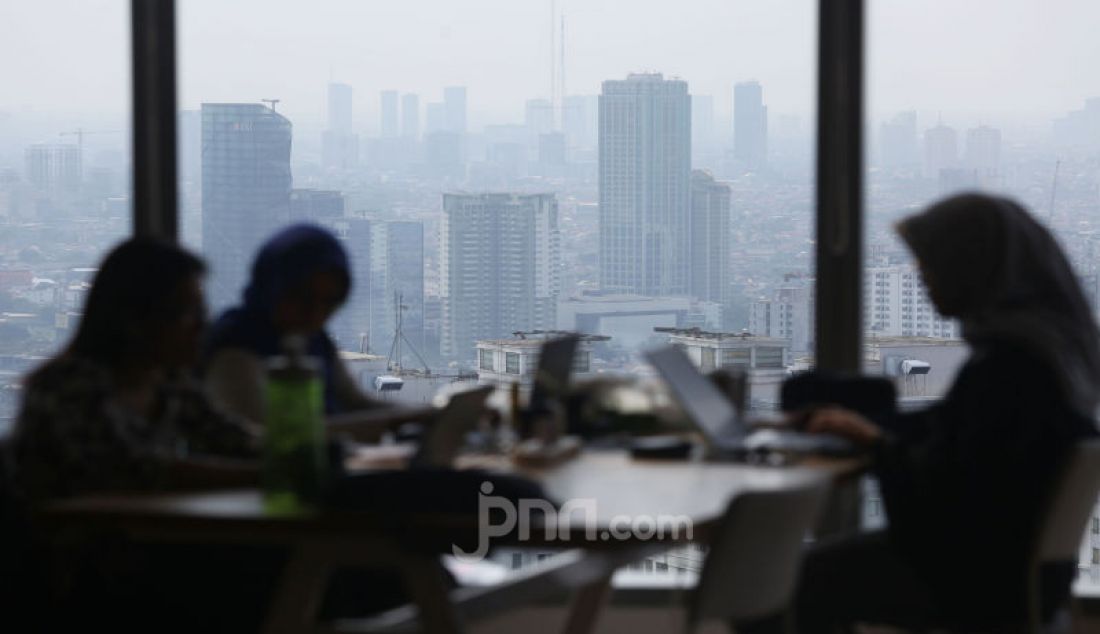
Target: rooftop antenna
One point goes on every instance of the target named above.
(393, 363)
(553, 59)
(271, 103)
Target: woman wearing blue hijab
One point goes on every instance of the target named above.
(300, 277)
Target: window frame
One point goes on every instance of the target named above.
(839, 161)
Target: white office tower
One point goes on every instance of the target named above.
(941, 150)
(787, 314)
(500, 261)
(538, 116)
(644, 183)
(54, 168)
(710, 238)
(750, 126)
(895, 304)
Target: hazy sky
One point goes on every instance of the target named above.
(991, 57)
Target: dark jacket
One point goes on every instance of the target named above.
(964, 482)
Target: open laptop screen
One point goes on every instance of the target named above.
(703, 402)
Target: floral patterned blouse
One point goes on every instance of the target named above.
(70, 439)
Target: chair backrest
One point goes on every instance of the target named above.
(1072, 502)
(754, 559)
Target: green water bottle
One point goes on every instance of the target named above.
(294, 447)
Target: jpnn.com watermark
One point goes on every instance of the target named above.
(559, 524)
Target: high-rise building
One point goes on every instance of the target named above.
(339, 145)
(787, 314)
(339, 107)
(389, 124)
(895, 303)
(454, 101)
(538, 116)
(983, 150)
(350, 326)
(397, 282)
(941, 150)
(245, 189)
(54, 168)
(710, 238)
(410, 116)
(499, 260)
(750, 125)
(644, 185)
(315, 205)
(898, 141)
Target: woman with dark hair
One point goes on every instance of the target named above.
(115, 411)
(964, 481)
(300, 277)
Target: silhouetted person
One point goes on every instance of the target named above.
(116, 410)
(964, 481)
(299, 279)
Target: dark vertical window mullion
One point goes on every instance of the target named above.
(838, 313)
(153, 33)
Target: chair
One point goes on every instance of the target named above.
(752, 567)
(1063, 524)
(1058, 537)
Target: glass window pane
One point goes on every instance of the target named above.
(64, 170)
(497, 168)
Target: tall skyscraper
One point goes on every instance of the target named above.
(644, 183)
(339, 107)
(245, 189)
(316, 205)
(390, 127)
(410, 116)
(500, 260)
(983, 150)
(454, 101)
(941, 150)
(710, 238)
(54, 168)
(339, 145)
(898, 141)
(750, 125)
(397, 274)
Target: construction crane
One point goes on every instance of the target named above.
(79, 134)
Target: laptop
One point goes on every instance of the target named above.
(725, 433)
(553, 371)
(445, 437)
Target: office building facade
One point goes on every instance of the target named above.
(500, 260)
(397, 284)
(710, 238)
(246, 186)
(750, 126)
(644, 185)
